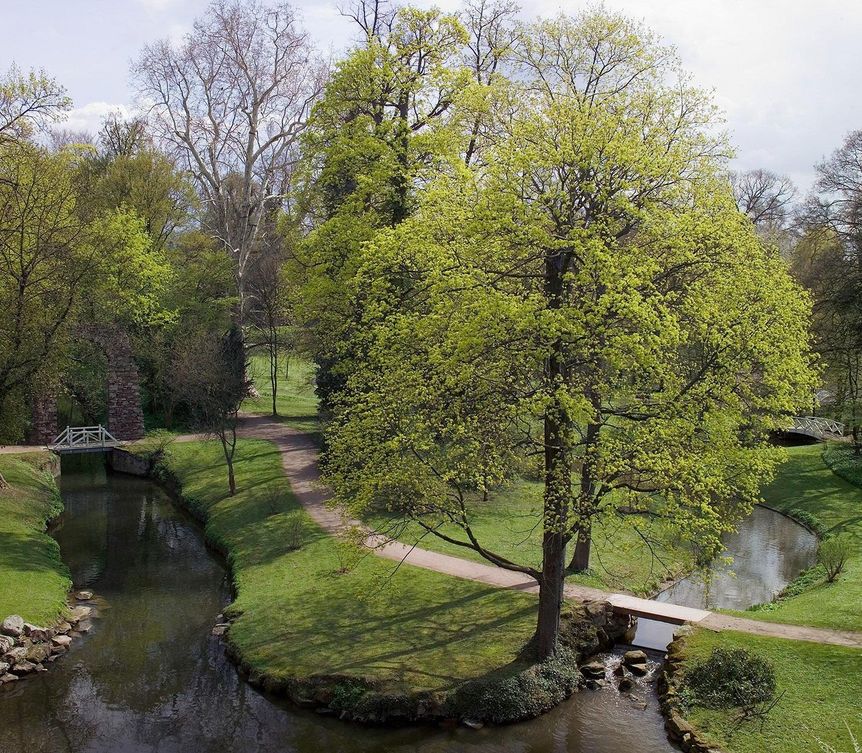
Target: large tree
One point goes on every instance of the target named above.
(380, 132)
(230, 102)
(590, 302)
(63, 264)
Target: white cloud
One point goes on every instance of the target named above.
(90, 116)
(784, 71)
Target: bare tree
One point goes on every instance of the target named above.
(764, 196)
(64, 138)
(829, 262)
(231, 102)
(838, 202)
(122, 137)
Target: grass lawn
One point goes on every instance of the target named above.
(298, 616)
(295, 401)
(510, 524)
(621, 559)
(33, 578)
(806, 482)
(822, 686)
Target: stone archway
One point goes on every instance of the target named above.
(125, 416)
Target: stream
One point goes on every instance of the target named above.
(150, 676)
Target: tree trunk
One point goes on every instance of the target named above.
(227, 435)
(551, 593)
(273, 371)
(558, 481)
(231, 479)
(581, 558)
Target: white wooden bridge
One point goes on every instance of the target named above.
(84, 439)
(817, 427)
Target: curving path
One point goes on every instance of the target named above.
(299, 460)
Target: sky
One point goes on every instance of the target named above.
(785, 72)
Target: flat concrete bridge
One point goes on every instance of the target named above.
(75, 439)
(816, 427)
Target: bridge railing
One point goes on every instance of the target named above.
(817, 426)
(83, 438)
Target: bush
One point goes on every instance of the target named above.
(833, 554)
(809, 520)
(844, 462)
(732, 679)
(347, 694)
(155, 445)
(525, 695)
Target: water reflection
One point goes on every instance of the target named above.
(768, 551)
(149, 677)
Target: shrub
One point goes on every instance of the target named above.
(844, 462)
(520, 696)
(349, 550)
(155, 444)
(833, 554)
(732, 679)
(295, 530)
(347, 694)
(809, 520)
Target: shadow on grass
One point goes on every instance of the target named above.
(34, 552)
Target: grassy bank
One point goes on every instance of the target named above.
(821, 687)
(507, 525)
(805, 482)
(295, 402)
(33, 578)
(309, 606)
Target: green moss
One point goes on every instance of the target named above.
(819, 685)
(404, 627)
(33, 579)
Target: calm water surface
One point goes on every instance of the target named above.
(768, 552)
(150, 678)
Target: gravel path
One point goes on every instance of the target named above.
(299, 460)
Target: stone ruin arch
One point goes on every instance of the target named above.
(125, 415)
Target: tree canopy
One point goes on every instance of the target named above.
(589, 304)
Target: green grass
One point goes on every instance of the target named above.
(805, 482)
(822, 687)
(295, 401)
(509, 524)
(298, 616)
(33, 579)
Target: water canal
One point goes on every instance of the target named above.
(150, 677)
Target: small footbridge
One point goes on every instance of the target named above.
(816, 427)
(74, 439)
